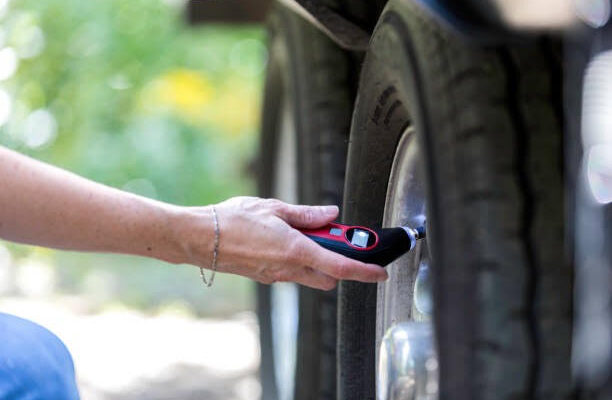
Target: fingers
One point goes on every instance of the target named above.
(316, 279)
(307, 216)
(340, 267)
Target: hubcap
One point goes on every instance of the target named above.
(404, 304)
(408, 368)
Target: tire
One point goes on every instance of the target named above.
(309, 75)
(488, 124)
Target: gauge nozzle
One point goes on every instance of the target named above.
(420, 232)
(414, 234)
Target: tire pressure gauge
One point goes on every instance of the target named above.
(380, 246)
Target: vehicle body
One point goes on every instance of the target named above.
(487, 120)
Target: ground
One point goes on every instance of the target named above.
(123, 354)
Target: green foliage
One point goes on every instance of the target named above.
(123, 92)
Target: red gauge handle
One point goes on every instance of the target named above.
(380, 246)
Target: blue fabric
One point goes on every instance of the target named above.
(34, 363)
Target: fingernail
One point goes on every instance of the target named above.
(331, 209)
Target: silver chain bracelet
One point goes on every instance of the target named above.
(213, 267)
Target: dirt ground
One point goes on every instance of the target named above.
(122, 354)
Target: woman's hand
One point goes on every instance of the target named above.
(258, 240)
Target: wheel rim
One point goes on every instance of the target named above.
(405, 206)
(285, 296)
(405, 299)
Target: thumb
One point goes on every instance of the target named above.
(309, 216)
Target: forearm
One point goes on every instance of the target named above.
(44, 205)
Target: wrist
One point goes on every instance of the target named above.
(192, 232)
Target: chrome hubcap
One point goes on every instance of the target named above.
(407, 364)
(408, 367)
(422, 300)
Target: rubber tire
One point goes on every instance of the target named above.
(306, 65)
(490, 123)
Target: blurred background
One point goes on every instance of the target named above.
(130, 95)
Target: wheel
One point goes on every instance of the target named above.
(468, 139)
(306, 119)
